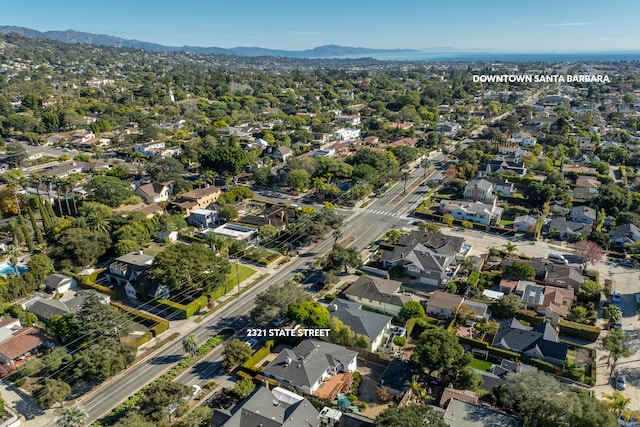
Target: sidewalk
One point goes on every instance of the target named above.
(28, 411)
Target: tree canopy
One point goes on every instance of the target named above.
(189, 269)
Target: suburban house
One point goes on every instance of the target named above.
(277, 407)
(373, 325)
(525, 223)
(448, 127)
(200, 198)
(315, 367)
(624, 234)
(280, 153)
(59, 283)
(550, 301)
(500, 185)
(45, 309)
(378, 294)
(128, 267)
(164, 236)
(142, 288)
(480, 213)
(202, 218)
(155, 192)
(156, 149)
(588, 182)
(510, 150)
(569, 229)
(149, 211)
(583, 214)
(583, 194)
(461, 413)
(21, 343)
(346, 134)
(463, 395)
(443, 304)
(524, 139)
(502, 164)
(237, 232)
(481, 309)
(550, 273)
(540, 342)
(422, 262)
(479, 190)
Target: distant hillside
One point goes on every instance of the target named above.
(70, 36)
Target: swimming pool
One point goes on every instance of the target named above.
(6, 269)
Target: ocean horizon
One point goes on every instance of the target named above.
(503, 56)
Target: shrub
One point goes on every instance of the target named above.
(473, 279)
(399, 341)
(259, 355)
(578, 330)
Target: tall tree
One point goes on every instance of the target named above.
(437, 350)
(189, 269)
(409, 416)
(53, 391)
(616, 344)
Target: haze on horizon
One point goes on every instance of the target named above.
(499, 25)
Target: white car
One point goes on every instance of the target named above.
(616, 297)
(621, 382)
(251, 342)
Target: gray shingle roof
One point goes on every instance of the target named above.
(360, 321)
(308, 362)
(514, 336)
(269, 409)
(378, 289)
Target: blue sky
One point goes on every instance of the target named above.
(542, 25)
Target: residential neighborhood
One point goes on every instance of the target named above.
(285, 243)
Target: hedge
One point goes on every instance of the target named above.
(415, 327)
(259, 355)
(161, 324)
(473, 279)
(542, 365)
(84, 283)
(531, 317)
(472, 342)
(505, 354)
(578, 330)
(142, 339)
(173, 307)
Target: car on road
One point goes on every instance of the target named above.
(616, 297)
(629, 418)
(627, 263)
(251, 342)
(621, 382)
(557, 258)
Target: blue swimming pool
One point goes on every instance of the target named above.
(6, 269)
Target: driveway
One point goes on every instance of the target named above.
(371, 374)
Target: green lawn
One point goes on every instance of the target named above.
(480, 364)
(243, 271)
(506, 222)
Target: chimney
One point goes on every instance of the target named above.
(474, 194)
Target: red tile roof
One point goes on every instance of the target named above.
(23, 341)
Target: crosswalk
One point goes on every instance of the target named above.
(378, 212)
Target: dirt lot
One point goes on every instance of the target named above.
(371, 374)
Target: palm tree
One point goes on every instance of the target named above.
(417, 388)
(337, 234)
(73, 416)
(405, 176)
(509, 248)
(616, 402)
(190, 344)
(98, 223)
(14, 254)
(617, 346)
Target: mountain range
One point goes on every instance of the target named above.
(328, 51)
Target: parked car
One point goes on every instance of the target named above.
(621, 382)
(616, 297)
(627, 263)
(557, 258)
(251, 342)
(633, 421)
